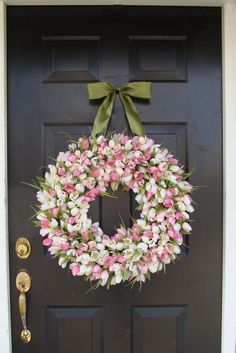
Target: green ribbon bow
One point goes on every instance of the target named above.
(105, 89)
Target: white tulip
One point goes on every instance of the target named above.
(120, 171)
(145, 239)
(163, 193)
(153, 267)
(94, 255)
(174, 168)
(74, 211)
(71, 204)
(112, 144)
(118, 277)
(52, 168)
(100, 246)
(53, 223)
(181, 206)
(186, 200)
(189, 208)
(177, 227)
(99, 139)
(142, 140)
(68, 163)
(142, 246)
(79, 187)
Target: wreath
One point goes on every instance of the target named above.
(85, 172)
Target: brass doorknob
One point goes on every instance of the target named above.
(23, 284)
(23, 248)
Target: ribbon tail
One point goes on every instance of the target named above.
(132, 115)
(103, 115)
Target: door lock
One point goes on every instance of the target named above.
(23, 248)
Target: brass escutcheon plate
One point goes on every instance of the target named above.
(25, 336)
(23, 281)
(23, 248)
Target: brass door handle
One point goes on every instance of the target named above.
(23, 284)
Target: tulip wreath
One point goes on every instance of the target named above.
(85, 171)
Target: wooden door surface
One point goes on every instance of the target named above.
(53, 52)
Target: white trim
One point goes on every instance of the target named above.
(229, 148)
(229, 157)
(122, 2)
(5, 334)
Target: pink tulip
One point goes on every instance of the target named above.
(174, 161)
(111, 163)
(148, 233)
(171, 233)
(83, 247)
(165, 256)
(76, 173)
(75, 268)
(109, 261)
(106, 177)
(54, 211)
(69, 188)
(61, 171)
(65, 246)
(91, 194)
(171, 192)
(95, 172)
(85, 236)
(96, 268)
(138, 160)
(124, 139)
(71, 220)
(119, 156)
(138, 175)
(115, 176)
(52, 193)
(163, 166)
(85, 144)
(58, 232)
(178, 216)
(148, 155)
(143, 269)
(87, 161)
(44, 223)
(156, 173)
(121, 259)
(104, 275)
(47, 242)
(171, 220)
(179, 237)
(116, 237)
(73, 158)
(91, 244)
(168, 202)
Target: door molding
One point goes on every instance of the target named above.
(229, 160)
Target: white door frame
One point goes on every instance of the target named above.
(229, 159)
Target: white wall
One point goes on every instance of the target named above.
(5, 346)
(229, 158)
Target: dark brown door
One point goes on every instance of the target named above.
(52, 54)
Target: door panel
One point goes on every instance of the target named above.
(53, 52)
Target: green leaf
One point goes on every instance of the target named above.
(126, 274)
